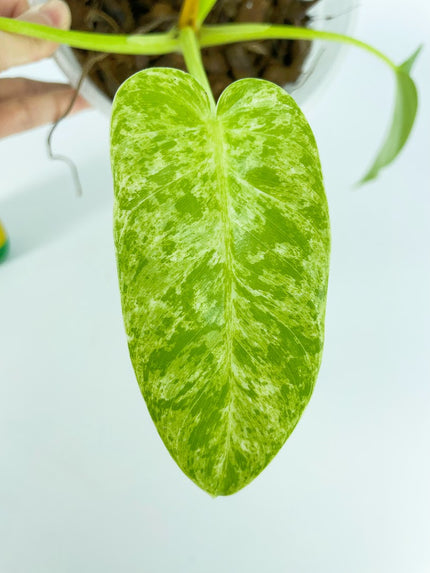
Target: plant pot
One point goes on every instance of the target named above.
(328, 15)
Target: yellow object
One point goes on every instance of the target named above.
(188, 15)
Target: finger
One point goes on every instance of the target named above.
(13, 8)
(20, 87)
(44, 106)
(16, 50)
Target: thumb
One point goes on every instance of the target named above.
(17, 50)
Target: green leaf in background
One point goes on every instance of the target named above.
(222, 238)
(405, 110)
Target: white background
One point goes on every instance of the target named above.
(86, 484)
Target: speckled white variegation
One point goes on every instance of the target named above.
(222, 237)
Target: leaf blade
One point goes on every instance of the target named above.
(222, 267)
(405, 110)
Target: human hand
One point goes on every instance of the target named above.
(25, 103)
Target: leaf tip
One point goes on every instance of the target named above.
(405, 110)
(408, 64)
(369, 176)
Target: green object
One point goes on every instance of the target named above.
(4, 244)
(405, 110)
(222, 238)
(4, 250)
(194, 63)
(153, 43)
(205, 6)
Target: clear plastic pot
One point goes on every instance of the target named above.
(328, 15)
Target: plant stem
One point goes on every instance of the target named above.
(150, 44)
(189, 13)
(204, 8)
(229, 33)
(154, 44)
(193, 61)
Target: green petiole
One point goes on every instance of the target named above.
(229, 33)
(205, 7)
(193, 60)
(164, 43)
(150, 44)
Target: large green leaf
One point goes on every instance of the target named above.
(222, 237)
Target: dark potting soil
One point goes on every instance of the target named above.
(279, 61)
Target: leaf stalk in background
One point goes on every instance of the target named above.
(138, 44)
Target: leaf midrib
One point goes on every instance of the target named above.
(221, 166)
(225, 208)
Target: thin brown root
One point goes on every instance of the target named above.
(55, 156)
(95, 14)
(154, 24)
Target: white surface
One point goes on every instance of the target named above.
(86, 484)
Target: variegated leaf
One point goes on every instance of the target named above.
(222, 237)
